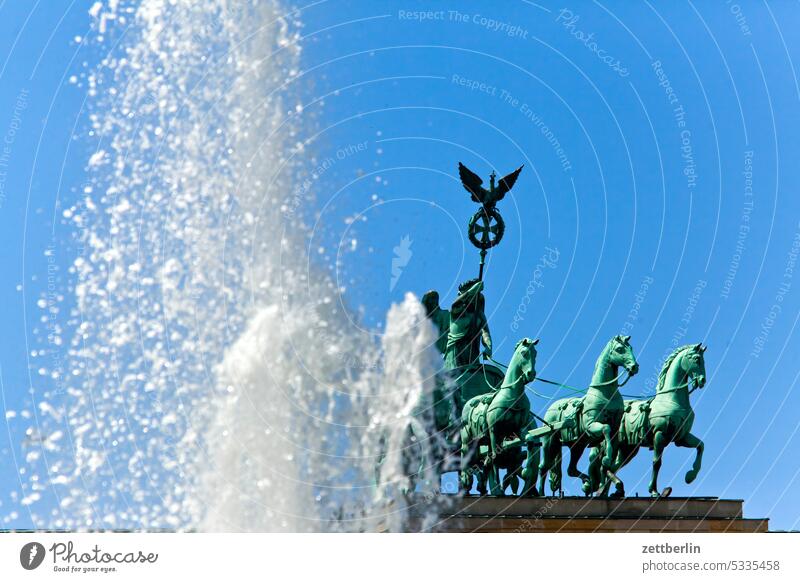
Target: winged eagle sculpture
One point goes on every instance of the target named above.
(488, 198)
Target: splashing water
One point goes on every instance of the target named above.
(291, 453)
(206, 385)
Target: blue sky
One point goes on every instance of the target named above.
(658, 197)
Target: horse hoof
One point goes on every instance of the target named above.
(690, 476)
(666, 492)
(618, 494)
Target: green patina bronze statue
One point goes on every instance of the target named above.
(497, 430)
(493, 418)
(597, 418)
(486, 198)
(664, 418)
(486, 227)
(468, 327)
(439, 317)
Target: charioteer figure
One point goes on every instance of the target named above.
(468, 327)
(464, 327)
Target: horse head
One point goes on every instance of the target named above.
(689, 363)
(523, 363)
(694, 365)
(620, 353)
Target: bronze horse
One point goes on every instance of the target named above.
(597, 418)
(490, 419)
(665, 418)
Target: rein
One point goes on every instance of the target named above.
(675, 389)
(567, 386)
(531, 412)
(578, 391)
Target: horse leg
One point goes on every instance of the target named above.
(512, 478)
(660, 441)
(596, 431)
(529, 472)
(468, 460)
(575, 452)
(619, 488)
(692, 442)
(494, 483)
(423, 463)
(508, 478)
(480, 473)
(595, 472)
(608, 475)
(611, 477)
(546, 461)
(494, 472)
(556, 476)
(625, 454)
(472, 469)
(464, 470)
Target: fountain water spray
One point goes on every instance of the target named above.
(207, 385)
